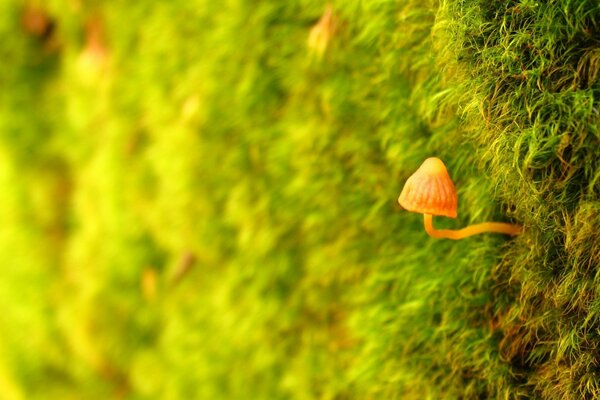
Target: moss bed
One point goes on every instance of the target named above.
(199, 202)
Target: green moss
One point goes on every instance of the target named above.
(198, 207)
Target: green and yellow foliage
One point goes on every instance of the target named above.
(199, 199)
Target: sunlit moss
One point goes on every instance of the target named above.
(194, 208)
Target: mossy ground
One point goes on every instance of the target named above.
(196, 205)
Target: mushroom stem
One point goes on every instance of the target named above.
(498, 227)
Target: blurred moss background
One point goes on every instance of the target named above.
(199, 199)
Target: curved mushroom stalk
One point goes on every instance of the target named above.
(456, 234)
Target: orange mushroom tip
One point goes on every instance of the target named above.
(430, 190)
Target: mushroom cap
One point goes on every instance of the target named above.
(430, 190)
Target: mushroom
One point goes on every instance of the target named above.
(322, 32)
(430, 191)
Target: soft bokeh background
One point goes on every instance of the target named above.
(198, 199)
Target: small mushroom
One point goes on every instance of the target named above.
(430, 191)
(37, 22)
(322, 32)
(93, 59)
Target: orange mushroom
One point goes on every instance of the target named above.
(430, 191)
(322, 32)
